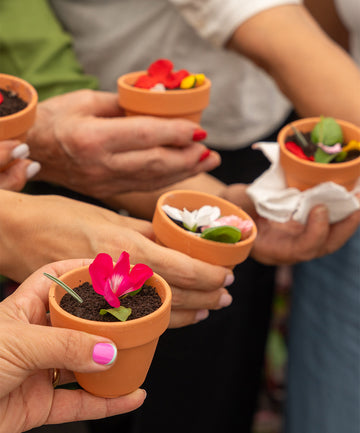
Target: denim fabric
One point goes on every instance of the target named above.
(324, 352)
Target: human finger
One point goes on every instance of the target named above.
(11, 150)
(181, 270)
(17, 173)
(181, 318)
(144, 132)
(199, 299)
(77, 405)
(341, 232)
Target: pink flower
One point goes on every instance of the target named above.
(243, 225)
(114, 282)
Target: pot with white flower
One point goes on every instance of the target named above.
(204, 226)
(130, 305)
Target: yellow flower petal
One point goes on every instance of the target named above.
(188, 82)
(352, 145)
(200, 79)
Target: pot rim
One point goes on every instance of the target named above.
(122, 81)
(283, 133)
(166, 304)
(30, 104)
(197, 239)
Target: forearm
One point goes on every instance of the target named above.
(311, 70)
(57, 228)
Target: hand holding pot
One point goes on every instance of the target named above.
(84, 143)
(30, 350)
(15, 168)
(292, 242)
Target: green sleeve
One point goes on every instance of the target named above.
(34, 46)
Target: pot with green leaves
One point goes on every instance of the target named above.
(130, 305)
(320, 149)
(204, 226)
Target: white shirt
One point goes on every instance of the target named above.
(113, 37)
(349, 12)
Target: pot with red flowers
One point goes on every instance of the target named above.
(204, 226)
(161, 91)
(130, 305)
(320, 149)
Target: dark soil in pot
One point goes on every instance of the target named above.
(142, 304)
(11, 103)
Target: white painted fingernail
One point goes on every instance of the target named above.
(21, 152)
(32, 169)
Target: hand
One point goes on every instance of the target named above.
(57, 228)
(15, 169)
(29, 350)
(84, 143)
(292, 242)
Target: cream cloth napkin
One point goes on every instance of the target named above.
(274, 201)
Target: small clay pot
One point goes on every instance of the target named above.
(303, 174)
(15, 126)
(171, 235)
(187, 104)
(136, 340)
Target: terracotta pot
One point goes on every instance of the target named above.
(171, 235)
(303, 174)
(15, 126)
(187, 104)
(136, 339)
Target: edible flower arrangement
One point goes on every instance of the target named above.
(113, 283)
(208, 223)
(161, 77)
(324, 144)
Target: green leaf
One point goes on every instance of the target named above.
(327, 131)
(323, 157)
(226, 234)
(121, 313)
(65, 286)
(341, 156)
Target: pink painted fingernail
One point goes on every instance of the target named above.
(199, 134)
(204, 155)
(104, 353)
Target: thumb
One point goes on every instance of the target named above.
(49, 347)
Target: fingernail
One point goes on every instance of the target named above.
(104, 353)
(201, 315)
(32, 169)
(229, 279)
(225, 300)
(21, 152)
(199, 134)
(204, 155)
(321, 213)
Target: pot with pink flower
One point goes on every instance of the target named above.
(160, 91)
(128, 304)
(204, 226)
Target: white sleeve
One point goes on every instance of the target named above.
(216, 20)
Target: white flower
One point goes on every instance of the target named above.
(191, 220)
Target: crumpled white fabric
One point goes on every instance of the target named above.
(274, 201)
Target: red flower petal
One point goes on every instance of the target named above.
(1, 98)
(296, 150)
(145, 82)
(160, 68)
(173, 80)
